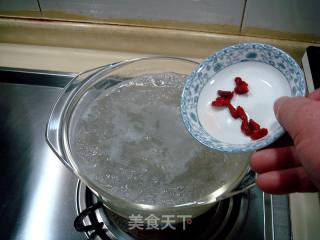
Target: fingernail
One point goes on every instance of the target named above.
(278, 103)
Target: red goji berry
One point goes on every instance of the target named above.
(241, 86)
(225, 94)
(241, 89)
(259, 134)
(242, 114)
(220, 102)
(254, 126)
(245, 128)
(239, 81)
(233, 111)
(250, 128)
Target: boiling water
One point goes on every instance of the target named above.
(131, 141)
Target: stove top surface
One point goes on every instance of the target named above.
(40, 196)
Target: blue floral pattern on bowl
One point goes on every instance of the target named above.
(228, 56)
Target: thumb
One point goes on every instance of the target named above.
(315, 95)
(289, 112)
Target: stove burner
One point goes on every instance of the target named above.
(223, 221)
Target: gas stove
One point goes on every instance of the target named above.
(246, 216)
(42, 199)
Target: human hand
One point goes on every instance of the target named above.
(294, 168)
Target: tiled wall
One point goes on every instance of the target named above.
(288, 19)
(284, 18)
(198, 11)
(19, 7)
(207, 15)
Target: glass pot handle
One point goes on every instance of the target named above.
(53, 134)
(53, 131)
(246, 183)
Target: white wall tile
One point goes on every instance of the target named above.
(198, 11)
(291, 16)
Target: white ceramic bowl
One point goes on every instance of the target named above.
(270, 73)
